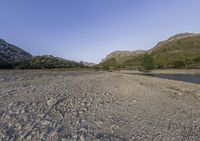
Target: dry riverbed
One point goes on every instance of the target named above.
(94, 106)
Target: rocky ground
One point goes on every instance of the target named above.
(94, 106)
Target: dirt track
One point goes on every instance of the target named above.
(86, 106)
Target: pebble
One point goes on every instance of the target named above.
(11, 104)
(45, 123)
(82, 138)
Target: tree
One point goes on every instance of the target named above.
(148, 62)
(82, 64)
(178, 64)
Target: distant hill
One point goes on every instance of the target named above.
(87, 64)
(181, 50)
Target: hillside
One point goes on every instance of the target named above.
(181, 50)
(10, 54)
(121, 59)
(46, 62)
(178, 52)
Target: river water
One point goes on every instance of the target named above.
(178, 77)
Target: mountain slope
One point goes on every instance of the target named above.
(11, 53)
(121, 59)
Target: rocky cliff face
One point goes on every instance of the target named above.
(11, 53)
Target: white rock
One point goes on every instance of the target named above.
(82, 138)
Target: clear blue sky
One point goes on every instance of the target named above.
(90, 29)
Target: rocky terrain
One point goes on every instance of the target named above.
(94, 106)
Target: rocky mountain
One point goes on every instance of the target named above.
(11, 53)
